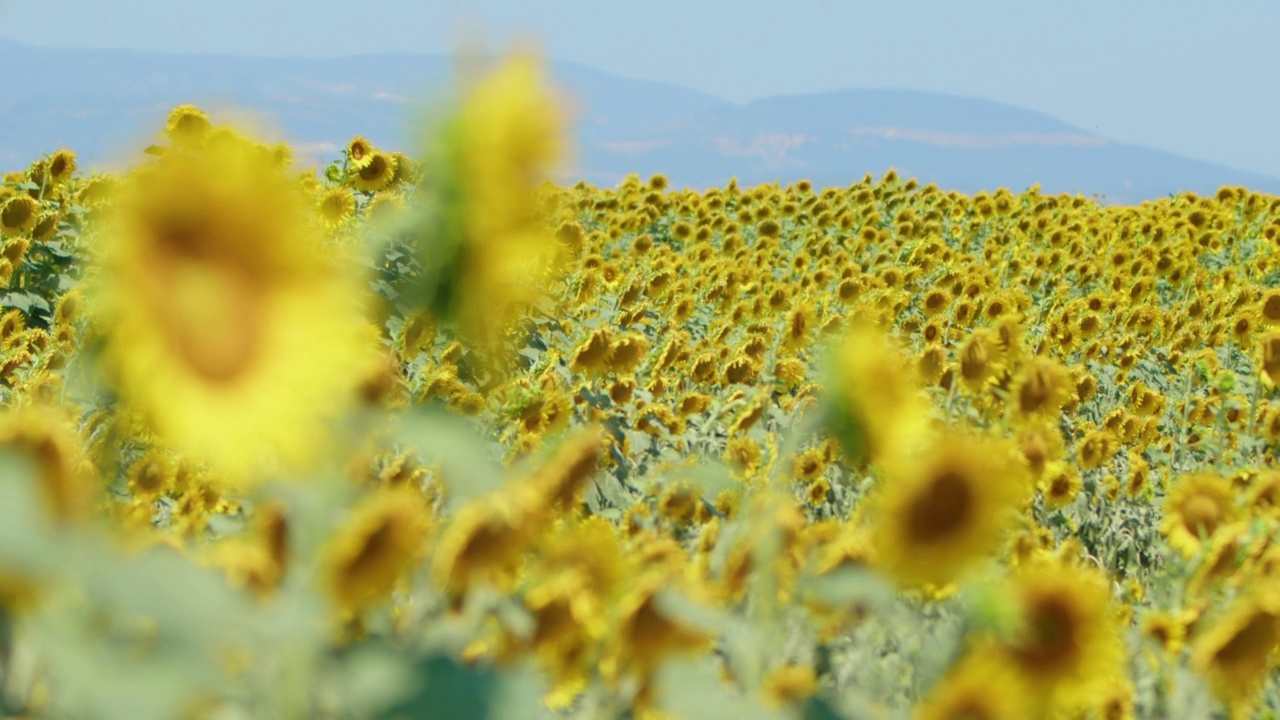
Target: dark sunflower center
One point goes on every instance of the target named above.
(1201, 513)
(1050, 642)
(944, 508)
(1252, 642)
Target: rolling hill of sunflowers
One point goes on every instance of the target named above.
(431, 437)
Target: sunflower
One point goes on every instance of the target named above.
(485, 541)
(1060, 484)
(407, 171)
(1040, 388)
(874, 407)
(627, 352)
(1236, 654)
(1220, 559)
(359, 152)
(65, 476)
(645, 633)
(97, 190)
(978, 686)
(15, 251)
(336, 206)
(486, 250)
(592, 356)
(18, 215)
(376, 174)
(562, 479)
(977, 360)
(941, 512)
(591, 554)
(381, 540)
(223, 322)
(150, 476)
(1039, 444)
(1068, 646)
(1269, 307)
(1269, 358)
(187, 124)
(1096, 449)
(1196, 508)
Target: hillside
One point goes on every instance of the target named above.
(103, 102)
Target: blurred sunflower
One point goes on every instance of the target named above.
(488, 252)
(380, 542)
(336, 206)
(874, 407)
(223, 322)
(485, 541)
(18, 215)
(46, 436)
(645, 633)
(1236, 654)
(941, 512)
(1196, 508)
(1040, 388)
(979, 686)
(1068, 647)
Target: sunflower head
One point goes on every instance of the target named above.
(187, 124)
(874, 406)
(1197, 507)
(46, 436)
(381, 540)
(1067, 647)
(943, 511)
(226, 324)
(359, 152)
(62, 165)
(1237, 652)
(377, 172)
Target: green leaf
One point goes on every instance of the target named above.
(446, 689)
(850, 586)
(25, 541)
(464, 456)
(693, 689)
(818, 709)
(371, 680)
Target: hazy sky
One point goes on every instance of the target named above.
(1195, 78)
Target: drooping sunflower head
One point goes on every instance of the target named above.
(62, 165)
(18, 215)
(978, 686)
(383, 538)
(187, 124)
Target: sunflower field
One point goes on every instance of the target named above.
(430, 436)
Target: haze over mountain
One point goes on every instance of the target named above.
(107, 104)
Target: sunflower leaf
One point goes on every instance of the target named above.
(448, 439)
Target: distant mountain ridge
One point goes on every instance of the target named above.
(106, 104)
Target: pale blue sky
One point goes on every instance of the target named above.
(1191, 77)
